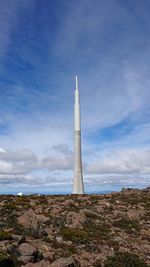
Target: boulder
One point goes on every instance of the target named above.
(26, 259)
(59, 239)
(76, 219)
(27, 249)
(31, 220)
(42, 263)
(64, 262)
(27, 252)
(48, 255)
(28, 219)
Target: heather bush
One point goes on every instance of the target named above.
(127, 224)
(5, 235)
(75, 235)
(125, 259)
(3, 256)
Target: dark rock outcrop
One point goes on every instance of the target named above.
(7, 263)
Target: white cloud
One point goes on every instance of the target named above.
(125, 161)
(1, 150)
(24, 162)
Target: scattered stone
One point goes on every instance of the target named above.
(64, 262)
(135, 214)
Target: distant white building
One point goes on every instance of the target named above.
(20, 194)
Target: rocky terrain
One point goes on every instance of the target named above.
(76, 230)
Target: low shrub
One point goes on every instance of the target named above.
(127, 224)
(11, 207)
(75, 235)
(97, 231)
(125, 259)
(3, 256)
(5, 235)
(91, 215)
(97, 263)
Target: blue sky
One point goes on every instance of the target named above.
(43, 45)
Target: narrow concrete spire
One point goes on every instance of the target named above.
(76, 82)
(78, 187)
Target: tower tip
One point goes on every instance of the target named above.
(76, 82)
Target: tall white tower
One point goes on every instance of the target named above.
(78, 187)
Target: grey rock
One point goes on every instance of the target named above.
(27, 249)
(42, 263)
(64, 262)
(118, 239)
(30, 219)
(27, 252)
(26, 259)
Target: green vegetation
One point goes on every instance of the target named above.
(101, 231)
(71, 248)
(11, 260)
(91, 215)
(114, 244)
(127, 224)
(72, 207)
(42, 200)
(5, 235)
(59, 222)
(91, 231)
(3, 256)
(75, 235)
(96, 231)
(12, 222)
(125, 259)
(134, 199)
(18, 203)
(11, 206)
(46, 239)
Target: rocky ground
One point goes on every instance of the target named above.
(75, 230)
